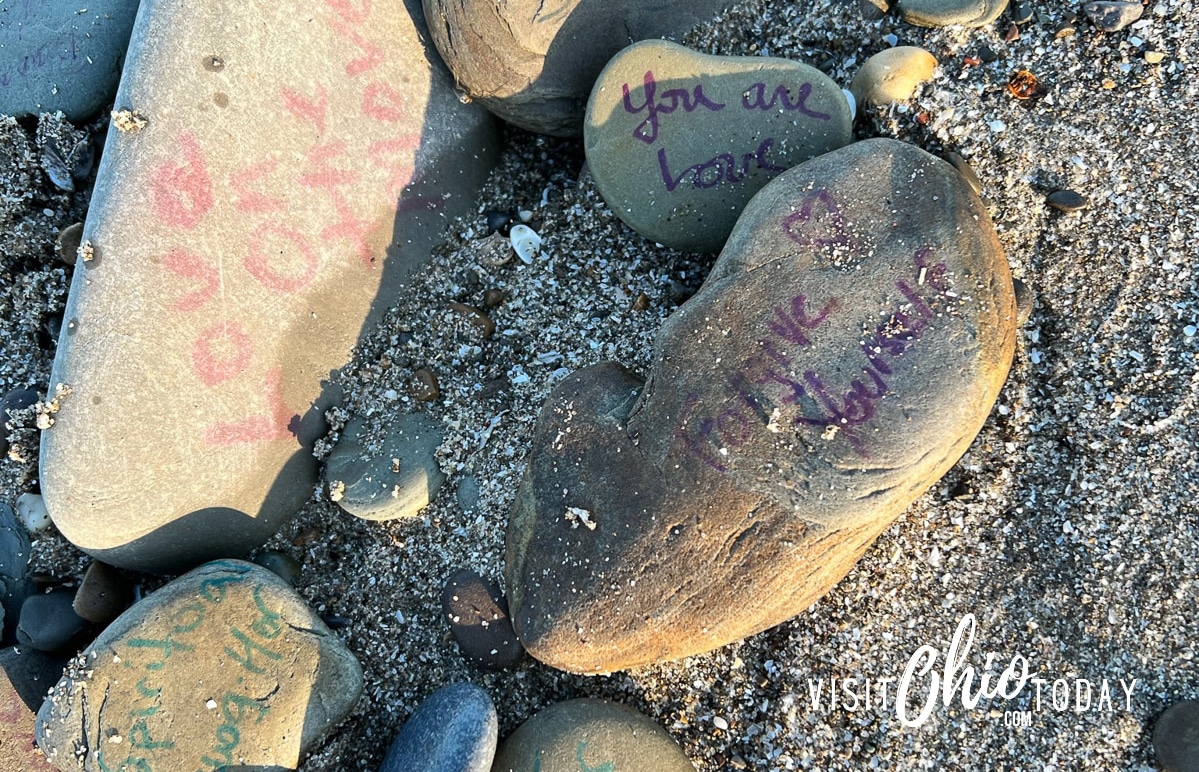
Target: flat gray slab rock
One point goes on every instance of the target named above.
(592, 735)
(269, 181)
(951, 13)
(841, 356)
(533, 62)
(454, 730)
(62, 56)
(678, 141)
(223, 668)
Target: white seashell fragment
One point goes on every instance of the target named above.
(853, 103)
(31, 509)
(526, 242)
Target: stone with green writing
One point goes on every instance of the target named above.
(223, 668)
(270, 180)
(679, 141)
(589, 735)
(842, 354)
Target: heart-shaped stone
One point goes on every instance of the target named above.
(679, 141)
(841, 356)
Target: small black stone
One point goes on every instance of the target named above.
(282, 565)
(48, 621)
(498, 222)
(1176, 738)
(987, 54)
(1067, 201)
(1021, 11)
(477, 612)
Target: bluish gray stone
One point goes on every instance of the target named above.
(454, 730)
(62, 56)
(1113, 15)
(48, 621)
(388, 477)
(951, 13)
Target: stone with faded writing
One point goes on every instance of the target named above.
(679, 141)
(269, 181)
(223, 668)
(842, 354)
(533, 63)
(388, 473)
(62, 56)
(454, 730)
(25, 677)
(892, 75)
(589, 734)
(951, 13)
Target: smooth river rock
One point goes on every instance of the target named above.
(533, 63)
(390, 476)
(842, 354)
(951, 13)
(678, 141)
(589, 735)
(62, 56)
(270, 179)
(454, 730)
(892, 75)
(223, 668)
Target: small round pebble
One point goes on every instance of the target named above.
(31, 509)
(1176, 738)
(498, 222)
(892, 75)
(48, 621)
(425, 387)
(1067, 201)
(281, 565)
(493, 298)
(1113, 15)
(454, 730)
(1021, 11)
(103, 594)
(477, 613)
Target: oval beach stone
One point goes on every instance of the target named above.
(223, 668)
(390, 476)
(892, 75)
(842, 354)
(269, 181)
(951, 13)
(594, 735)
(679, 141)
(454, 730)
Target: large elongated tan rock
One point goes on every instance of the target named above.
(272, 176)
(841, 356)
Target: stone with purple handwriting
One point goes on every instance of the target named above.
(842, 354)
(226, 667)
(678, 141)
(588, 734)
(62, 56)
(533, 63)
(269, 182)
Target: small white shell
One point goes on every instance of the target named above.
(31, 509)
(526, 242)
(853, 103)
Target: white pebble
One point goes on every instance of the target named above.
(1189, 331)
(720, 723)
(526, 242)
(31, 508)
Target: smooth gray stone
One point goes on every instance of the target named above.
(454, 730)
(271, 180)
(226, 667)
(1176, 738)
(62, 56)
(388, 477)
(951, 13)
(48, 621)
(1113, 15)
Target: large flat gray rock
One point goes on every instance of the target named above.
(278, 175)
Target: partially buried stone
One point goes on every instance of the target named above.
(534, 66)
(966, 170)
(15, 549)
(1176, 738)
(951, 13)
(590, 734)
(1067, 201)
(842, 354)
(223, 668)
(390, 475)
(103, 594)
(11, 402)
(1024, 301)
(477, 613)
(679, 141)
(454, 730)
(892, 75)
(25, 677)
(1021, 11)
(58, 56)
(281, 565)
(48, 621)
(1113, 15)
(291, 170)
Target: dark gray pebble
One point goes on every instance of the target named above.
(498, 222)
(425, 388)
(17, 399)
(1176, 738)
(32, 673)
(477, 612)
(1067, 201)
(873, 10)
(1113, 15)
(967, 171)
(1024, 302)
(282, 565)
(69, 239)
(987, 54)
(454, 730)
(103, 594)
(1021, 11)
(48, 621)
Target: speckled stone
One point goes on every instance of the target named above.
(951, 13)
(594, 735)
(477, 613)
(62, 56)
(454, 730)
(678, 141)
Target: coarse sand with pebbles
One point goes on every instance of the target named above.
(1069, 530)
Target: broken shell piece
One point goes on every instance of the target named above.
(576, 515)
(494, 250)
(526, 242)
